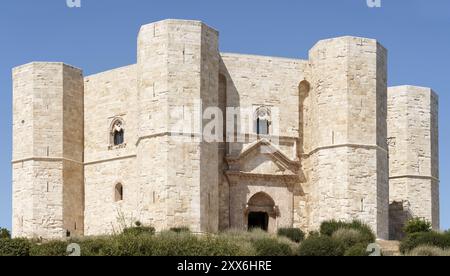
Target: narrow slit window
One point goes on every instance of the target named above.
(118, 193)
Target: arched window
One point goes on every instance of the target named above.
(117, 133)
(118, 192)
(263, 121)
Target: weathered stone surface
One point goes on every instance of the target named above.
(324, 155)
(413, 155)
(48, 180)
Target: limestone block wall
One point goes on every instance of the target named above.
(347, 161)
(103, 214)
(255, 81)
(152, 106)
(178, 67)
(413, 154)
(48, 151)
(252, 82)
(110, 96)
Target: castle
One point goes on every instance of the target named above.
(323, 138)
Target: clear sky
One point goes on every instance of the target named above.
(102, 35)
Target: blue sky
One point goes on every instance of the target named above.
(102, 35)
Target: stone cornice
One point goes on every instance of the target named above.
(47, 159)
(314, 151)
(285, 177)
(111, 159)
(59, 159)
(167, 133)
(244, 138)
(428, 177)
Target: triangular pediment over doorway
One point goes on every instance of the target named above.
(262, 158)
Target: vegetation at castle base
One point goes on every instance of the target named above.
(180, 229)
(294, 234)
(328, 228)
(52, 248)
(338, 238)
(417, 225)
(15, 247)
(357, 250)
(4, 233)
(321, 246)
(168, 243)
(421, 240)
(138, 230)
(143, 241)
(429, 251)
(415, 240)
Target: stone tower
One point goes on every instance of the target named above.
(347, 156)
(413, 155)
(47, 151)
(178, 79)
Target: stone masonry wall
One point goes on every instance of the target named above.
(348, 80)
(47, 158)
(413, 152)
(252, 82)
(109, 96)
(177, 67)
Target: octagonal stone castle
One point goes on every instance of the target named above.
(330, 140)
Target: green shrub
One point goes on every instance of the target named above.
(329, 227)
(94, 246)
(52, 248)
(269, 247)
(260, 243)
(170, 244)
(139, 230)
(357, 250)
(14, 247)
(350, 237)
(321, 246)
(186, 244)
(220, 246)
(180, 229)
(4, 233)
(429, 251)
(313, 234)
(294, 234)
(244, 240)
(177, 244)
(417, 225)
(124, 245)
(415, 240)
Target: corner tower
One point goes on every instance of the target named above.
(178, 72)
(413, 156)
(47, 151)
(347, 154)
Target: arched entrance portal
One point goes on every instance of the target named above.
(260, 210)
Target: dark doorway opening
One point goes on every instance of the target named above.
(258, 220)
